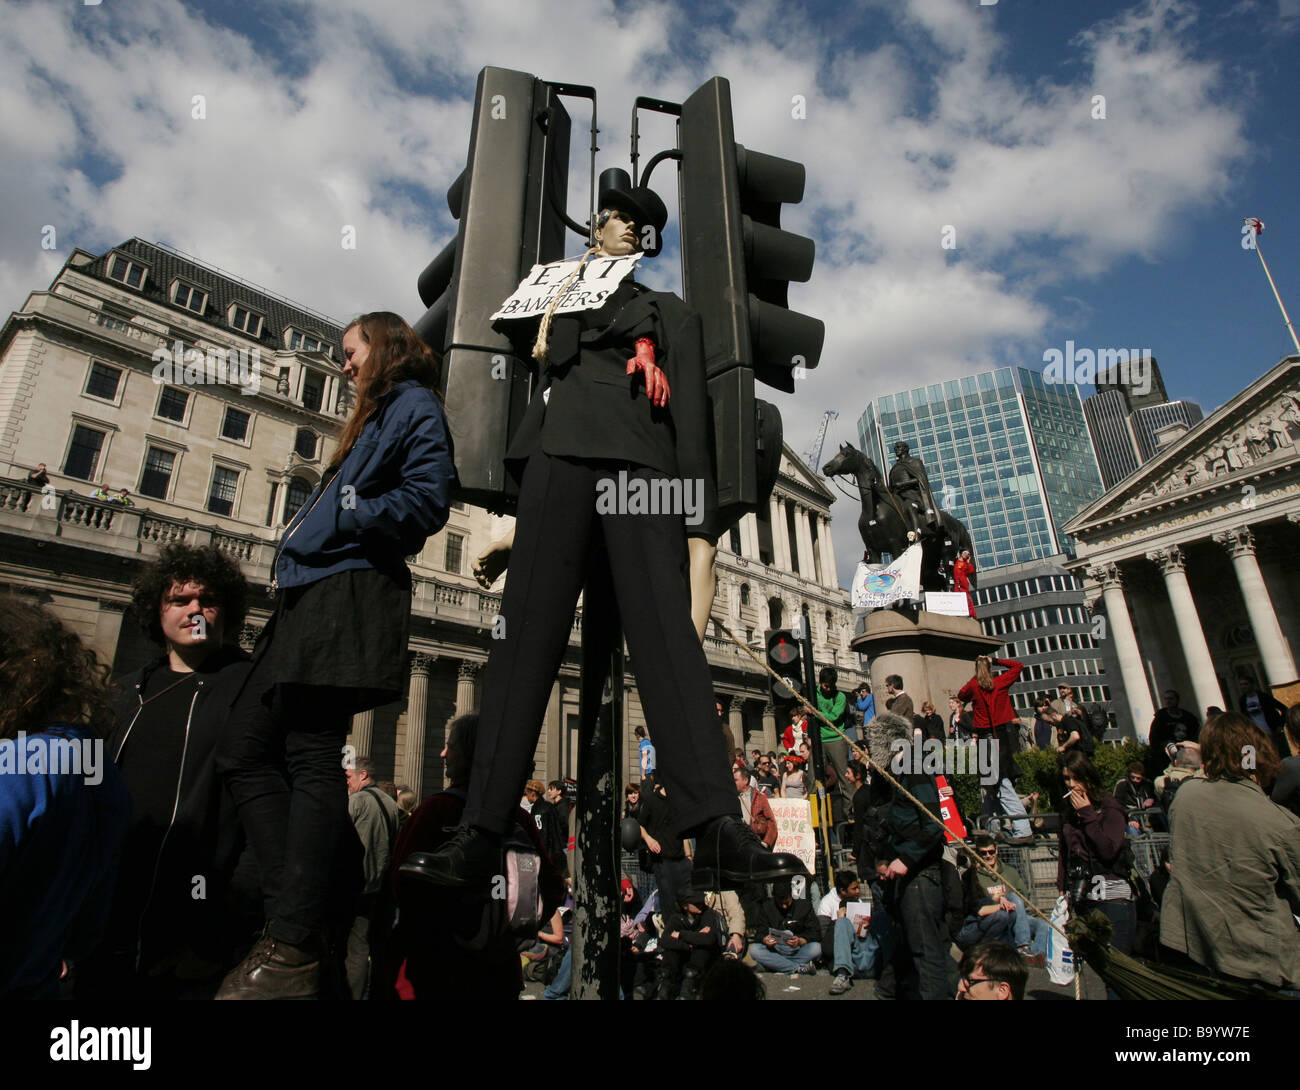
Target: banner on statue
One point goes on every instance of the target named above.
(794, 830)
(588, 290)
(947, 603)
(878, 586)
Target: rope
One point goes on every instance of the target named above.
(865, 756)
(542, 343)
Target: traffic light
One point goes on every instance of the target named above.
(509, 202)
(783, 656)
(736, 267)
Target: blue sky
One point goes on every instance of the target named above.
(921, 114)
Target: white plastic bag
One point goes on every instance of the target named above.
(1060, 958)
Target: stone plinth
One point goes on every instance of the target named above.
(933, 654)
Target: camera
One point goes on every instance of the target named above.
(1078, 878)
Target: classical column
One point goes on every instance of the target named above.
(1278, 661)
(466, 701)
(749, 536)
(780, 541)
(736, 720)
(803, 536)
(769, 728)
(830, 578)
(1120, 626)
(363, 729)
(1205, 684)
(416, 710)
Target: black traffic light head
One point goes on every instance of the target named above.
(736, 267)
(509, 201)
(783, 656)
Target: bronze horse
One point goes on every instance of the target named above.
(884, 528)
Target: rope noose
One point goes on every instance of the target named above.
(541, 344)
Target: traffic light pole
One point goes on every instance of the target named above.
(819, 753)
(597, 862)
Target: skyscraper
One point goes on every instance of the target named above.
(1007, 453)
(1131, 417)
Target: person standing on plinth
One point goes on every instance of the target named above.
(621, 395)
(909, 481)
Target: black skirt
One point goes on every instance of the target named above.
(347, 632)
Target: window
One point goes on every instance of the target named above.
(235, 425)
(299, 490)
(455, 546)
(733, 540)
(183, 295)
(744, 594)
(305, 443)
(313, 390)
(298, 341)
(221, 496)
(270, 503)
(130, 273)
(157, 475)
(83, 453)
(103, 381)
(245, 320)
(172, 403)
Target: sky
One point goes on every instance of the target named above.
(1089, 164)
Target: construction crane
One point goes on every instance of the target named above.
(813, 455)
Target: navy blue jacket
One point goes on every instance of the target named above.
(390, 494)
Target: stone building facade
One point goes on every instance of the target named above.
(1191, 559)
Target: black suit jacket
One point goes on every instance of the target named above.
(596, 410)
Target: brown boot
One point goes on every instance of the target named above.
(273, 970)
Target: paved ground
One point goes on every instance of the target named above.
(818, 987)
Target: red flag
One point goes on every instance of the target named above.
(954, 829)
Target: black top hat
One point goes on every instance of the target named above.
(644, 206)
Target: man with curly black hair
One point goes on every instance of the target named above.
(178, 908)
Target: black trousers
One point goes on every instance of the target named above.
(919, 968)
(557, 532)
(282, 757)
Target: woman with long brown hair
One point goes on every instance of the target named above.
(336, 644)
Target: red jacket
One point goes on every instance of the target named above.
(992, 709)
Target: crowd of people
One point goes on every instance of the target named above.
(140, 880)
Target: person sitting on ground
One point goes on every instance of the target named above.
(992, 970)
(765, 779)
(786, 932)
(1135, 793)
(995, 911)
(60, 831)
(1234, 890)
(854, 933)
(755, 808)
(691, 944)
(795, 779)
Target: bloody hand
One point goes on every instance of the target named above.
(656, 382)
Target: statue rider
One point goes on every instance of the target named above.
(911, 485)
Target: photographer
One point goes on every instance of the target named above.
(1094, 858)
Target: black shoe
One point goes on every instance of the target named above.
(728, 856)
(690, 983)
(470, 859)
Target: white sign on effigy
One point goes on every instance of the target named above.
(878, 586)
(587, 290)
(947, 603)
(794, 830)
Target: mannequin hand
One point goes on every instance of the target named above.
(656, 382)
(493, 560)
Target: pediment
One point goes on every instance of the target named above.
(793, 468)
(1258, 430)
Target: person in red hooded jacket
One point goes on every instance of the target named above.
(994, 721)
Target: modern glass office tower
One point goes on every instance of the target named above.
(1007, 453)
